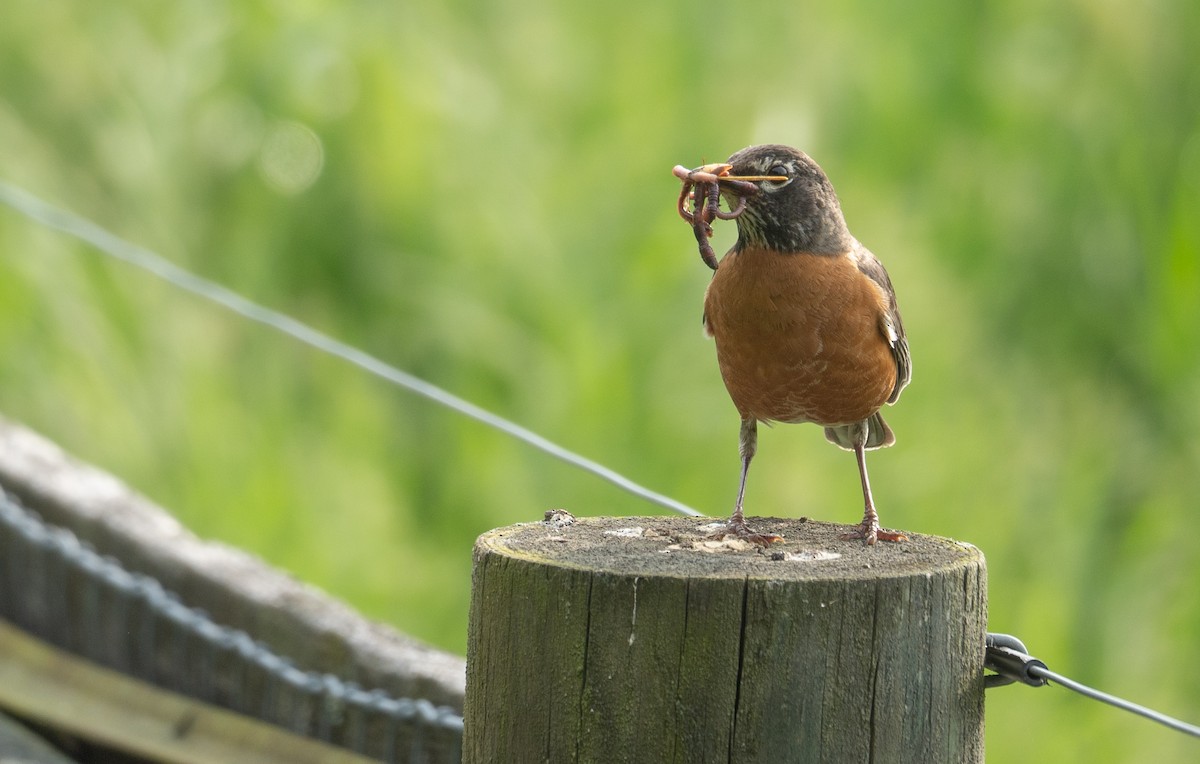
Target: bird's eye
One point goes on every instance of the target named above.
(779, 169)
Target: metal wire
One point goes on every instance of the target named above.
(112, 245)
(1010, 659)
(1112, 700)
(60, 590)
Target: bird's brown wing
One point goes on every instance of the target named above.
(891, 325)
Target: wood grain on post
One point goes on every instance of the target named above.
(636, 640)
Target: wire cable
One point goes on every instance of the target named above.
(1175, 724)
(112, 245)
(1010, 659)
(133, 624)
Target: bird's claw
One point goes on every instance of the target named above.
(741, 530)
(870, 532)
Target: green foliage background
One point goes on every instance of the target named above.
(481, 194)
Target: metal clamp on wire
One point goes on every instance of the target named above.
(1008, 657)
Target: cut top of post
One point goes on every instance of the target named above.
(680, 546)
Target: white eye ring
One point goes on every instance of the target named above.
(777, 169)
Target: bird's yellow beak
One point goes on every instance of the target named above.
(722, 173)
(709, 173)
(751, 178)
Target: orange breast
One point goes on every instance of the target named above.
(799, 337)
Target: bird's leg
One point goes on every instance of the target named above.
(737, 527)
(747, 447)
(868, 530)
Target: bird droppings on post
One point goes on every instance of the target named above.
(558, 518)
(627, 533)
(806, 555)
(712, 545)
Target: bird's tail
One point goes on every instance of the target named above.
(879, 435)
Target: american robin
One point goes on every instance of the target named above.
(804, 318)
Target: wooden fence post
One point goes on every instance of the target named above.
(637, 640)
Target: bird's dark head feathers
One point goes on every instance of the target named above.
(801, 214)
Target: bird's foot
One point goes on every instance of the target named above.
(737, 528)
(870, 532)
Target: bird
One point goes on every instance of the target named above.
(804, 319)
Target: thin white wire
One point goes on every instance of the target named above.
(114, 246)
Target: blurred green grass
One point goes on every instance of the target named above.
(480, 193)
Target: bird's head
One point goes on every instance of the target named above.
(793, 207)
